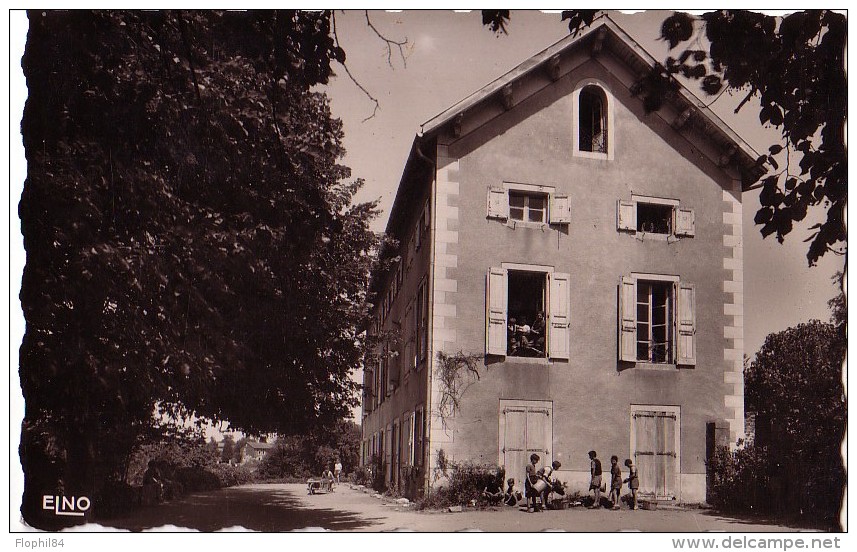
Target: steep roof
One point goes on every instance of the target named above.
(605, 34)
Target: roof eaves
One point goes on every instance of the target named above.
(688, 98)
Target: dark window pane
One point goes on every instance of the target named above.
(659, 315)
(516, 200)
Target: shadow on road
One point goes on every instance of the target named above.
(798, 525)
(253, 508)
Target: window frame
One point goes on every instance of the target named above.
(607, 118)
(421, 324)
(682, 328)
(557, 206)
(627, 218)
(526, 209)
(669, 320)
(557, 301)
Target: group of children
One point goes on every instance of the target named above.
(616, 480)
(525, 339)
(539, 484)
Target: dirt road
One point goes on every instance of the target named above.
(287, 507)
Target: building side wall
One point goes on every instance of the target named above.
(591, 393)
(412, 390)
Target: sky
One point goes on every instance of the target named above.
(450, 55)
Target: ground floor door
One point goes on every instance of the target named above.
(526, 427)
(655, 446)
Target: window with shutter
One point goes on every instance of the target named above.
(644, 215)
(628, 319)
(558, 338)
(657, 320)
(560, 209)
(685, 223)
(528, 205)
(419, 431)
(527, 312)
(495, 316)
(498, 203)
(626, 215)
(686, 325)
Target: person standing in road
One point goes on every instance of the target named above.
(633, 481)
(615, 481)
(337, 470)
(532, 476)
(595, 481)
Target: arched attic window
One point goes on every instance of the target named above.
(592, 122)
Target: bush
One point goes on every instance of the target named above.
(756, 480)
(229, 475)
(467, 480)
(196, 479)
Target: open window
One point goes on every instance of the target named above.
(654, 312)
(594, 129)
(527, 313)
(654, 218)
(592, 122)
(657, 320)
(653, 215)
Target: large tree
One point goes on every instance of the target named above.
(192, 246)
(794, 66)
(795, 385)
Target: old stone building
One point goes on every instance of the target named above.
(588, 254)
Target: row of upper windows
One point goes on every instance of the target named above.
(399, 354)
(403, 266)
(526, 204)
(528, 314)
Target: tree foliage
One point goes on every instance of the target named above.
(795, 67)
(795, 383)
(192, 246)
(307, 455)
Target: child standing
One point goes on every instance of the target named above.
(595, 481)
(633, 481)
(616, 481)
(532, 476)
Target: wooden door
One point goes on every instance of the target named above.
(656, 451)
(526, 428)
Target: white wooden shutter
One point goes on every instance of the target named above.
(418, 235)
(495, 311)
(685, 222)
(560, 209)
(427, 215)
(628, 319)
(626, 215)
(498, 203)
(686, 310)
(559, 317)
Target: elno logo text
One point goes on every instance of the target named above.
(66, 505)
